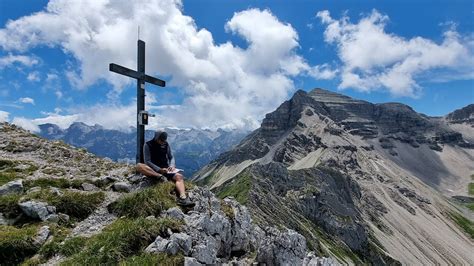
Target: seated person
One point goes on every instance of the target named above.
(159, 161)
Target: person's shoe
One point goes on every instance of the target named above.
(186, 202)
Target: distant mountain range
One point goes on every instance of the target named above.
(192, 148)
(363, 182)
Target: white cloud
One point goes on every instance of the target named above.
(110, 116)
(25, 123)
(11, 59)
(4, 116)
(323, 71)
(225, 85)
(33, 76)
(27, 100)
(374, 59)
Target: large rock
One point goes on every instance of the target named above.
(282, 248)
(179, 242)
(15, 186)
(122, 187)
(206, 251)
(38, 210)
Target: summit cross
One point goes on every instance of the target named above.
(141, 77)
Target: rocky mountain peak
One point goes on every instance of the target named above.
(463, 115)
(356, 175)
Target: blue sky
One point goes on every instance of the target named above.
(227, 63)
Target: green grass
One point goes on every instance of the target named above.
(72, 246)
(153, 259)
(75, 204)
(9, 205)
(120, 240)
(150, 201)
(238, 188)
(464, 223)
(471, 189)
(9, 172)
(6, 177)
(16, 244)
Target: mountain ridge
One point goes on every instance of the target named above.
(192, 148)
(396, 165)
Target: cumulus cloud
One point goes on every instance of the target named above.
(374, 59)
(33, 76)
(224, 84)
(11, 59)
(27, 100)
(4, 116)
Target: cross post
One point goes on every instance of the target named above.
(141, 78)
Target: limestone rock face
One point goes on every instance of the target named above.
(214, 236)
(282, 248)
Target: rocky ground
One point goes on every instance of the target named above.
(62, 205)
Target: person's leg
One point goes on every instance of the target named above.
(179, 182)
(146, 170)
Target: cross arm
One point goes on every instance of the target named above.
(157, 82)
(134, 74)
(124, 71)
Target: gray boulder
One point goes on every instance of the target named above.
(206, 251)
(38, 210)
(15, 186)
(183, 241)
(179, 242)
(122, 187)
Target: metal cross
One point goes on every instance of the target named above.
(141, 78)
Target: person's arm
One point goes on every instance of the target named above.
(171, 158)
(147, 159)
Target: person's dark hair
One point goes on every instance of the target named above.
(161, 135)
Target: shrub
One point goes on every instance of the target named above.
(16, 244)
(150, 201)
(122, 239)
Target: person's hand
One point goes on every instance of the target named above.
(171, 169)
